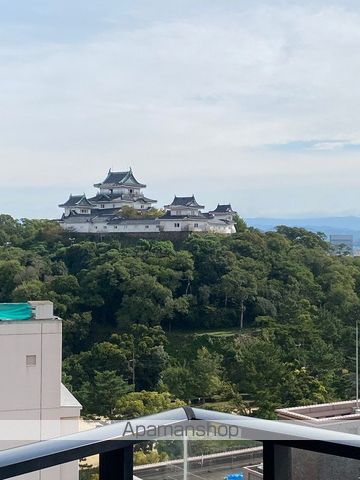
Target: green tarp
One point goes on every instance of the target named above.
(15, 311)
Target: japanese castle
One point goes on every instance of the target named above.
(120, 206)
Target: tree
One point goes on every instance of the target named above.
(107, 356)
(240, 224)
(139, 404)
(198, 380)
(145, 301)
(301, 388)
(145, 458)
(76, 332)
(78, 256)
(107, 389)
(153, 213)
(237, 287)
(117, 295)
(131, 212)
(145, 353)
(258, 370)
(304, 237)
(9, 272)
(206, 374)
(178, 380)
(31, 290)
(128, 212)
(10, 230)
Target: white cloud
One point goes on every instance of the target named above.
(188, 99)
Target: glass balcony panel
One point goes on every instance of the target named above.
(206, 459)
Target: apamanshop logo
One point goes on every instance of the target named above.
(237, 428)
(197, 430)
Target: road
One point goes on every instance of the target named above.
(209, 467)
(197, 475)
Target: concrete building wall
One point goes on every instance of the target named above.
(34, 405)
(338, 416)
(318, 466)
(20, 344)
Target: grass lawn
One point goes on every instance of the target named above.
(184, 344)
(226, 332)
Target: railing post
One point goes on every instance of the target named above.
(276, 461)
(116, 464)
(269, 460)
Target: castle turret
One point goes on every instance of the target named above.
(120, 189)
(223, 212)
(77, 204)
(184, 206)
(120, 182)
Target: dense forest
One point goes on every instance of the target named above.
(245, 323)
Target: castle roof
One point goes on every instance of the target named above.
(223, 209)
(120, 197)
(77, 201)
(120, 178)
(185, 202)
(101, 197)
(146, 200)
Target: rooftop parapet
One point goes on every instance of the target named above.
(321, 413)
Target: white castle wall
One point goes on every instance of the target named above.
(168, 225)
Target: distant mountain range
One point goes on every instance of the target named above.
(327, 225)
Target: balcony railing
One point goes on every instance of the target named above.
(115, 448)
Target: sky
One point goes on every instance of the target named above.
(251, 102)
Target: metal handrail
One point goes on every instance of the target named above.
(48, 453)
(277, 430)
(115, 448)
